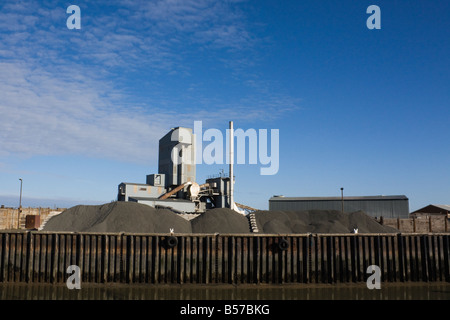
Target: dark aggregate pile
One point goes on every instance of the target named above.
(118, 216)
(221, 220)
(133, 217)
(318, 221)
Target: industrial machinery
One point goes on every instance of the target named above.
(174, 185)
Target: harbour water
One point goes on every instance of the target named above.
(402, 291)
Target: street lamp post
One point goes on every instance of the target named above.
(20, 205)
(342, 199)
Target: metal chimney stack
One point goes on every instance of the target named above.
(231, 166)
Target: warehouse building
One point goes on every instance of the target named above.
(375, 206)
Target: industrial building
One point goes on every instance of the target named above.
(375, 206)
(175, 186)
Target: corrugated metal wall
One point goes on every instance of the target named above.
(374, 208)
(236, 259)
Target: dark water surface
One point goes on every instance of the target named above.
(409, 291)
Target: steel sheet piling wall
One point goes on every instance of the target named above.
(30, 256)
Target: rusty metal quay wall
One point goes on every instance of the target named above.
(43, 257)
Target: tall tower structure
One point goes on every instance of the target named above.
(177, 156)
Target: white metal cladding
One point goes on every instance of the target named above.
(385, 206)
(127, 190)
(182, 141)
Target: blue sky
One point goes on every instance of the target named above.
(367, 110)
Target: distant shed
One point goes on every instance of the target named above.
(433, 210)
(375, 206)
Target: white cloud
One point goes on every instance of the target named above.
(45, 114)
(131, 33)
(60, 90)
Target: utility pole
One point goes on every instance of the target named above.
(20, 205)
(231, 166)
(342, 199)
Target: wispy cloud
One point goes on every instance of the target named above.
(61, 90)
(209, 22)
(44, 114)
(123, 33)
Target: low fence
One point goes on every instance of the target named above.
(422, 224)
(9, 216)
(31, 256)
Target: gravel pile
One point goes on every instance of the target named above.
(220, 220)
(133, 217)
(118, 217)
(317, 221)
